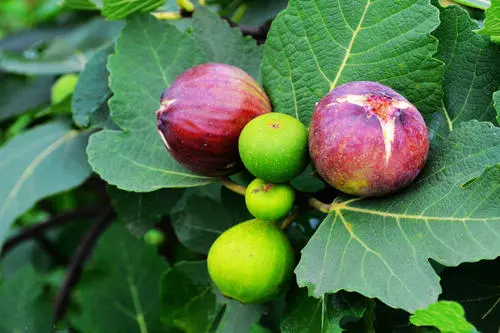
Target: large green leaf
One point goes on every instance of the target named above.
(42, 161)
(314, 46)
(21, 94)
(118, 9)
(312, 315)
(191, 302)
(225, 44)
(445, 315)
(380, 247)
(492, 22)
(22, 308)
(89, 103)
(135, 159)
(124, 297)
(472, 71)
(140, 211)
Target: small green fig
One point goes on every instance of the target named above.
(273, 147)
(251, 262)
(268, 201)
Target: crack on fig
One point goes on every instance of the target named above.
(264, 188)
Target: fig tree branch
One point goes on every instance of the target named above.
(55, 221)
(76, 265)
(290, 218)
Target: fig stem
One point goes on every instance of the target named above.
(233, 186)
(312, 202)
(318, 205)
(168, 15)
(289, 219)
(186, 5)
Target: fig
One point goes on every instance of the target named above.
(366, 139)
(203, 113)
(273, 147)
(268, 201)
(251, 262)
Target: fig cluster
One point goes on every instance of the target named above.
(364, 139)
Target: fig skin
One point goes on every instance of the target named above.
(269, 201)
(203, 113)
(366, 139)
(274, 148)
(251, 262)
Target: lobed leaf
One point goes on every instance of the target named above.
(40, 162)
(380, 246)
(135, 159)
(314, 46)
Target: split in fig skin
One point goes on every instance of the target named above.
(366, 139)
(269, 201)
(273, 147)
(251, 262)
(203, 113)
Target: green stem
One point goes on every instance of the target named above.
(186, 5)
(233, 186)
(167, 15)
(289, 219)
(318, 205)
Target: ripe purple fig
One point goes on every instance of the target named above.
(203, 113)
(366, 139)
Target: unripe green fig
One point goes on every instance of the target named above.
(273, 147)
(268, 201)
(251, 262)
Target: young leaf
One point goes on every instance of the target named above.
(445, 315)
(21, 307)
(140, 211)
(312, 315)
(225, 44)
(477, 292)
(40, 162)
(135, 159)
(380, 247)
(89, 104)
(315, 46)
(472, 71)
(119, 9)
(492, 23)
(124, 299)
